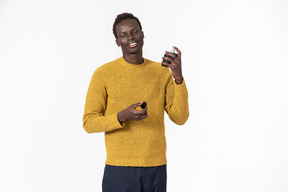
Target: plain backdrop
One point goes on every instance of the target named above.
(235, 63)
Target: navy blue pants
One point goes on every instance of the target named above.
(134, 179)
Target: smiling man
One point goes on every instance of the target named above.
(135, 138)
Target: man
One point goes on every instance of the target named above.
(135, 138)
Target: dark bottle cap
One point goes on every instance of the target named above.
(143, 105)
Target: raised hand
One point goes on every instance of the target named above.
(175, 65)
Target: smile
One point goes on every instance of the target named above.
(132, 44)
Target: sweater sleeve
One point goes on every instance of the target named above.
(94, 119)
(176, 103)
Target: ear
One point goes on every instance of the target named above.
(143, 34)
(117, 42)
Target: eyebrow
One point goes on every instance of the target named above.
(130, 30)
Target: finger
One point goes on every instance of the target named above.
(171, 55)
(172, 64)
(142, 117)
(134, 106)
(165, 64)
(176, 60)
(139, 113)
(167, 59)
(145, 110)
(178, 51)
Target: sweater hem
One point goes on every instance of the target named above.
(136, 164)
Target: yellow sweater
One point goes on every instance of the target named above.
(117, 85)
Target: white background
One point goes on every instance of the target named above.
(235, 63)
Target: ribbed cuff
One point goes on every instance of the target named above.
(116, 122)
(181, 89)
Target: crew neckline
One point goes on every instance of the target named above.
(133, 66)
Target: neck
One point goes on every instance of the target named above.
(134, 58)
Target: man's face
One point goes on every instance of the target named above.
(129, 36)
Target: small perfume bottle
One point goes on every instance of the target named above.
(166, 61)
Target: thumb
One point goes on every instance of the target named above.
(134, 106)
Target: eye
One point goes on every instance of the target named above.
(136, 31)
(123, 35)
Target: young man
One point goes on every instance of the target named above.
(135, 138)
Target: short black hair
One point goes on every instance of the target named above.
(122, 17)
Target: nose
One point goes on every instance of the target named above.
(130, 36)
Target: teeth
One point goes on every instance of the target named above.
(132, 44)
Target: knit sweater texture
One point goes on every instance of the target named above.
(117, 85)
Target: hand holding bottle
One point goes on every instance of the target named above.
(131, 113)
(173, 61)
